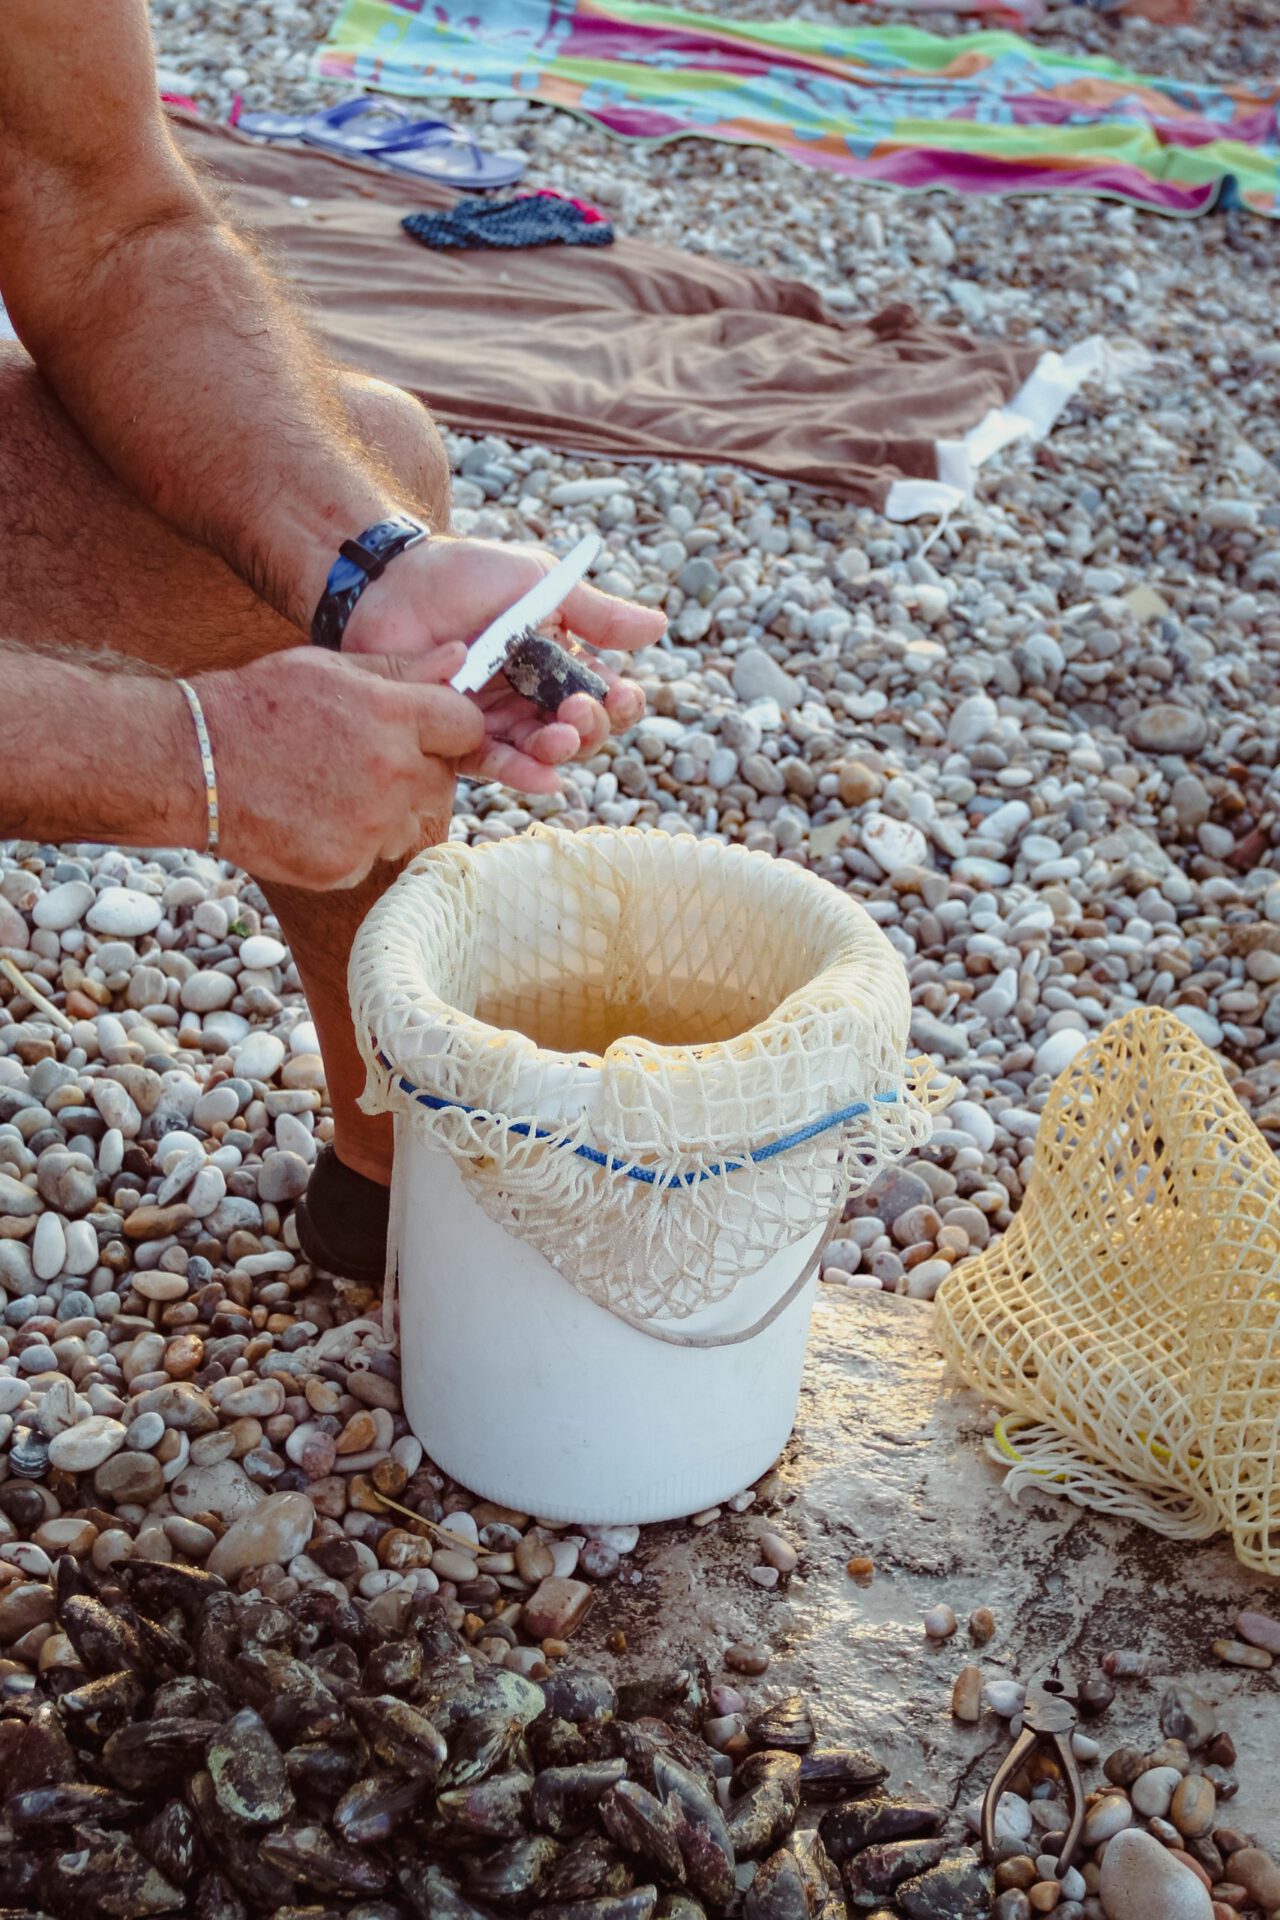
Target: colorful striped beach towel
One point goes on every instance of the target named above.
(982, 113)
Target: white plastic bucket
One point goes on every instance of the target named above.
(633, 1076)
(534, 1397)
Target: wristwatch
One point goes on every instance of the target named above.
(359, 562)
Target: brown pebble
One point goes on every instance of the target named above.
(183, 1356)
(364, 1496)
(153, 1223)
(1194, 1805)
(1124, 1765)
(556, 1608)
(861, 1567)
(1237, 1654)
(741, 1658)
(390, 1478)
(359, 1434)
(617, 1641)
(966, 1694)
(1044, 1896)
(373, 1391)
(1259, 1875)
(1221, 1751)
(534, 1559)
(1170, 1753)
(1188, 1860)
(1095, 1696)
(982, 1626)
(1019, 1872)
(129, 1478)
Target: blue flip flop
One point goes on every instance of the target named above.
(377, 130)
(440, 150)
(353, 126)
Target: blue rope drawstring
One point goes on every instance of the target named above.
(758, 1156)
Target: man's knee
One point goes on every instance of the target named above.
(400, 430)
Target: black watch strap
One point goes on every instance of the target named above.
(359, 562)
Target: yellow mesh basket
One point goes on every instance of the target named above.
(1129, 1321)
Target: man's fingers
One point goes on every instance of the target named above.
(507, 765)
(608, 623)
(587, 718)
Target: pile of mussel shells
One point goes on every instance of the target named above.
(197, 1751)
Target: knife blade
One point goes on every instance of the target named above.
(488, 653)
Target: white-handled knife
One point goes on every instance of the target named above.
(487, 655)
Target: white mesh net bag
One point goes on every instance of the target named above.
(1129, 1320)
(657, 1060)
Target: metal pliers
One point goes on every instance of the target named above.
(1048, 1720)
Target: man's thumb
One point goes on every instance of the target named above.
(450, 726)
(431, 668)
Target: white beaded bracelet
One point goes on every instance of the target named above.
(206, 761)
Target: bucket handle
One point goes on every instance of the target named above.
(704, 1341)
(710, 1341)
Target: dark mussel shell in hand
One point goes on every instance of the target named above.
(547, 673)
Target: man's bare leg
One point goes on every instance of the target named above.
(83, 564)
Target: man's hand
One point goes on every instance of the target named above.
(448, 590)
(326, 766)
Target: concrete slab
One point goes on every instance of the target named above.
(888, 1461)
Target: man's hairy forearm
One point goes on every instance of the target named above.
(112, 755)
(188, 371)
(161, 332)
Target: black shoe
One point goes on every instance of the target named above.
(342, 1221)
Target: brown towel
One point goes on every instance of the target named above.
(625, 352)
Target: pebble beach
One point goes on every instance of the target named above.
(1040, 743)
